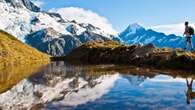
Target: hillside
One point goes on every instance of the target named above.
(13, 51)
(115, 53)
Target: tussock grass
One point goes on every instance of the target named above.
(13, 51)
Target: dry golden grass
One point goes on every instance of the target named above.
(108, 44)
(187, 54)
(13, 51)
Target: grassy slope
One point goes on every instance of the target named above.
(13, 51)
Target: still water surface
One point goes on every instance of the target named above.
(61, 86)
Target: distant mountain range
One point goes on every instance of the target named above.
(136, 34)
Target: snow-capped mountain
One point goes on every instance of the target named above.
(136, 34)
(22, 4)
(50, 41)
(46, 31)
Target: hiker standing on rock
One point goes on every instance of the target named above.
(189, 32)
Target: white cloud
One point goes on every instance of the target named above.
(176, 29)
(86, 16)
(38, 3)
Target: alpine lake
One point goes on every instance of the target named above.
(64, 86)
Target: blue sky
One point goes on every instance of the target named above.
(121, 13)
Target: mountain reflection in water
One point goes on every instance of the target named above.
(106, 87)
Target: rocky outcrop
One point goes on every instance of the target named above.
(115, 53)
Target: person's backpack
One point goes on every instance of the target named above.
(191, 30)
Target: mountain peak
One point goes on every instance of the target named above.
(135, 26)
(132, 29)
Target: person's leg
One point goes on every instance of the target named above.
(190, 42)
(186, 44)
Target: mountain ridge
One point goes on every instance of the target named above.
(140, 35)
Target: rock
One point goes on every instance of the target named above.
(142, 51)
(37, 107)
(38, 94)
(58, 17)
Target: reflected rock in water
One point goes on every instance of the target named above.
(58, 84)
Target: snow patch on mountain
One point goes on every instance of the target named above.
(46, 21)
(16, 22)
(22, 4)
